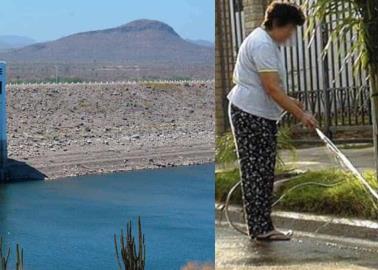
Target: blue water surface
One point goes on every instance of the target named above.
(70, 223)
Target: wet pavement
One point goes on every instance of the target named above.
(236, 251)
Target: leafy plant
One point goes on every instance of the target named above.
(360, 18)
(132, 258)
(225, 149)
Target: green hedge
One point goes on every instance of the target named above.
(348, 199)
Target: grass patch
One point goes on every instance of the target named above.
(225, 150)
(224, 181)
(348, 199)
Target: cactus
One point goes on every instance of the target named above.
(132, 258)
(19, 258)
(4, 257)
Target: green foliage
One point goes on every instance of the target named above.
(348, 16)
(360, 18)
(347, 199)
(224, 181)
(284, 142)
(225, 149)
(132, 259)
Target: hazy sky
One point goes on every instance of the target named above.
(50, 19)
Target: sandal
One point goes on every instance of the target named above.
(275, 236)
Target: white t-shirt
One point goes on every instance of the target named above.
(258, 53)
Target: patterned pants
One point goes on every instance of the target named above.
(255, 139)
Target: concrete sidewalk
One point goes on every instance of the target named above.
(316, 158)
(338, 227)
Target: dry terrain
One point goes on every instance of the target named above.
(75, 129)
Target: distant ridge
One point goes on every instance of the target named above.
(143, 43)
(8, 42)
(202, 42)
(138, 41)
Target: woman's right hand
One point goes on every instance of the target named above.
(308, 120)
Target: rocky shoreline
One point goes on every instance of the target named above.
(77, 129)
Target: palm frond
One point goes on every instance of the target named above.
(345, 22)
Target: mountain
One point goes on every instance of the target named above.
(8, 42)
(142, 49)
(141, 41)
(202, 42)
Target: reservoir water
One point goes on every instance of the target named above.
(70, 223)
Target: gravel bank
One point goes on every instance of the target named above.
(65, 130)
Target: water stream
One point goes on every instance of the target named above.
(346, 163)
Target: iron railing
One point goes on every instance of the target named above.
(326, 83)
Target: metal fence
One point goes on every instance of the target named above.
(327, 84)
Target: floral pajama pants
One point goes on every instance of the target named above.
(256, 142)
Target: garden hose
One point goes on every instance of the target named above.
(234, 188)
(343, 160)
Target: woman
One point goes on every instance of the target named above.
(256, 104)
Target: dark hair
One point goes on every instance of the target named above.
(283, 13)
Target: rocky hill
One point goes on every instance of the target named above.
(141, 44)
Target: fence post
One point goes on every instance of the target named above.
(326, 83)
